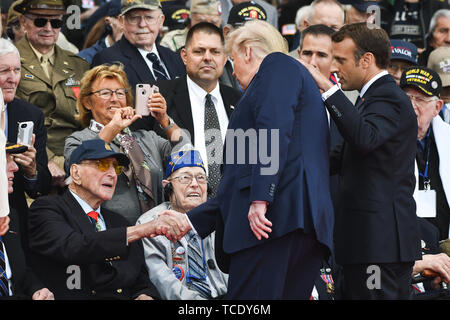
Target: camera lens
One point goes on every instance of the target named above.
(23, 125)
(143, 92)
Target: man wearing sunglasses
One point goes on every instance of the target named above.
(177, 272)
(145, 61)
(50, 76)
(83, 251)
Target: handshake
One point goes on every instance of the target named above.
(172, 224)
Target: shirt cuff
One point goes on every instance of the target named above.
(330, 92)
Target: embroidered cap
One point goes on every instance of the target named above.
(181, 159)
(96, 149)
(425, 79)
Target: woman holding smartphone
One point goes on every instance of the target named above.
(105, 112)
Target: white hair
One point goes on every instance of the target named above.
(438, 14)
(301, 15)
(7, 47)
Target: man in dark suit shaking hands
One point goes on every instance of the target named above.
(273, 219)
(376, 231)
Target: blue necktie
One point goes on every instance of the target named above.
(4, 290)
(197, 266)
(158, 70)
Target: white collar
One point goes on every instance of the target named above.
(200, 93)
(369, 83)
(84, 205)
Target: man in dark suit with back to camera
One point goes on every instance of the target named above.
(144, 60)
(17, 279)
(273, 217)
(376, 231)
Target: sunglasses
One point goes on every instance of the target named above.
(42, 22)
(103, 165)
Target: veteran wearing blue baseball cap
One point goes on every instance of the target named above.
(73, 229)
(186, 270)
(403, 56)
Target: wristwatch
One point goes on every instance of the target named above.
(171, 123)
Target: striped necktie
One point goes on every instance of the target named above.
(213, 144)
(4, 287)
(158, 70)
(93, 217)
(197, 267)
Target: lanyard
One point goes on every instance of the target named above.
(424, 175)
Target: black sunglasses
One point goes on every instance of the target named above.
(42, 22)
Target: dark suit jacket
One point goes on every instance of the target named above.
(178, 102)
(19, 111)
(24, 281)
(62, 237)
(376, 213)
(284, 99)
(135, 66)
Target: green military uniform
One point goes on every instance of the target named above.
(56, 96)
(175, 39)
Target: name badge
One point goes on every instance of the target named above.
(426, 203)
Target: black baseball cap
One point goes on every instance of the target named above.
(423, 78)
(96, 149)
(246, 11)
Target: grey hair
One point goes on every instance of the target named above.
(316, 2)
(7, 47)
(438, 14)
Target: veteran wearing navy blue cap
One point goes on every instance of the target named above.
(403, 56)
(71, 234)
(177, 271)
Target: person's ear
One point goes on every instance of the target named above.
(183, 55)
(75, 173)
(439, 105)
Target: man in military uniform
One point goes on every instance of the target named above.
(200, 11)
(50, 76)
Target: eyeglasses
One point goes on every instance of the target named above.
(394, 68)
(135, 20)
(106, 94)
(103, 165)
(5, 71)
(42, 22)
(421, 100)
(187, 178)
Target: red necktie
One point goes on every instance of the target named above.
(93, 216)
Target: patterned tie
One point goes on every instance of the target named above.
(139, 170)
(93, 216)
(213, 144)
(197, 266)
(158, 70)
(4, 287)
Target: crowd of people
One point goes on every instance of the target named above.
(225, 149)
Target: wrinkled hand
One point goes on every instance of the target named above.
(27, 160)
(57, 173)
(123, 117)
(172, 224)
(323, 82)
(439, 263)
(43, 294)
(258, 221)
(4, 225)
(144, 297)
(158, 108)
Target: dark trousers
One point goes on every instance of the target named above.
(382, 281)
(282, 268)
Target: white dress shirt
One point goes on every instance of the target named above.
(197, 98)
(87, 208)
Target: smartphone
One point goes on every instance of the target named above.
(143, 93)
(25, 133)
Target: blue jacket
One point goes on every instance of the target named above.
(283, 98)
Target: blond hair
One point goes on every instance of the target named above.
(261, 36)
(100, 72)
